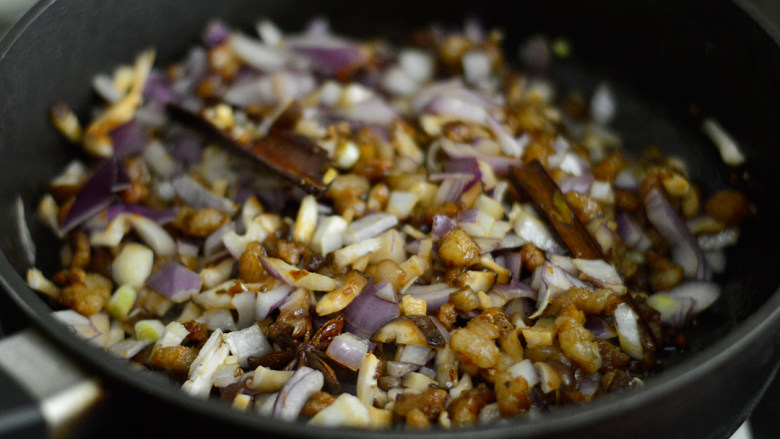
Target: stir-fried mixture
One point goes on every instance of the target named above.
(369, 234)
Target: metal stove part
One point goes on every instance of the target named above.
(44, 386)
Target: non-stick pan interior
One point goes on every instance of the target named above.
(672, 64)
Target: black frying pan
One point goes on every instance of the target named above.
(673, 64)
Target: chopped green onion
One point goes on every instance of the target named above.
(121, 302)
(149, 329)
(561, 48)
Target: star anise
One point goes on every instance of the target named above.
(308, 350)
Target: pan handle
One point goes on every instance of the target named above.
(44, 393)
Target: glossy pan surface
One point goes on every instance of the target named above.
(672, 63)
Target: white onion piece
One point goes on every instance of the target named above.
(250, 90)
(214, 243)
(603, 105)
(77, 323)
(173, 335)
(627, 325)
(264, 403)
(627, 180)
(245, 304)
(370, 111)
(417, 64)
(218, 318)
(386, 291)
(38, 282)
(133, 265)
(399, 369)
(227, 374)
(398, 82)
(352, 252)
(477, 66)
(215, 297)
(730, 151)
(525, 368)
(574, 165)
(401, 203)
(248, 342)
(684, 301)
(514, 290)
(216, 274)
(269, 32)
(103, 84)
(211, 356)
(531, 229)
(720, 240)
(159, 159)
(198, 197)
(128, 348)
(293, 275)
(236, 244)
(602, 191)
(329, 235)
(348, 349)
(301, 386)
(150, 232)
(414, 354)
(509, 145)
(187, 248)
(369, 227)
(257, 54)
(346, 411)
(457, 108)
(600, 272)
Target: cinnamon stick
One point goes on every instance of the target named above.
(293, 157)
(532, 180)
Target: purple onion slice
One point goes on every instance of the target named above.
(367, 312)
(175, 281)
(348, 349)
(685, 249)
(97, 194)
(129, 139)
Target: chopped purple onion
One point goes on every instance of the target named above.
(348, 349)
(97, 194)
(367, 312)
(129, 139)
(268, 301)
(175, 281)
(330, 56)
(435, 295)
(197, 196)
(514, 290)
(631, 234)
(580, 183)
(301, 386)
(160, 216)
(442, 224)
(216, 33)
(600, 328)
(685, 248)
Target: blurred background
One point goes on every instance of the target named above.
(765, 421)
